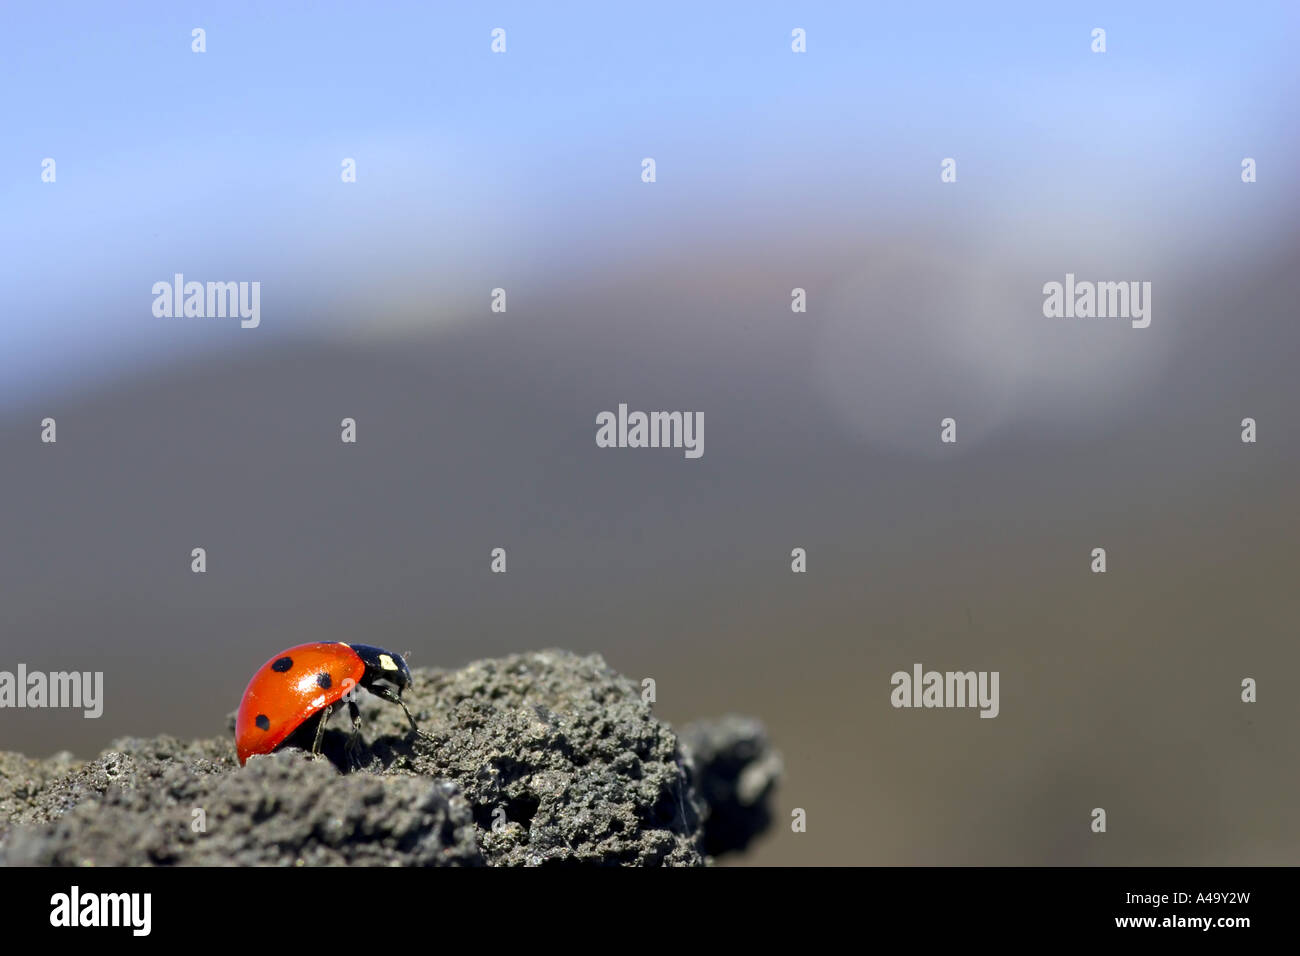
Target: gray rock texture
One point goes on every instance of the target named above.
(735, 774)
(536, 759)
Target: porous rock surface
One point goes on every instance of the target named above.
(535, 759)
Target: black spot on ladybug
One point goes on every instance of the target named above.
(282, 665)
(323, 680)
(262, 722)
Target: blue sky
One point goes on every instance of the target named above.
(473, 166)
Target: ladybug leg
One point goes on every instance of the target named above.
(395, 698)
(415, 728)
(354, 740)
(320, 730)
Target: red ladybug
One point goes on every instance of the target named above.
(312, 679)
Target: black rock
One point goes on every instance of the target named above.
(536, 759)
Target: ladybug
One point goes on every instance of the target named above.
(310, 679)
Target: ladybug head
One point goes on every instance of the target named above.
(384, 670)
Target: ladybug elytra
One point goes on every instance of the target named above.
(311, 679)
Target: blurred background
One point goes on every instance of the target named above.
(477, 430)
